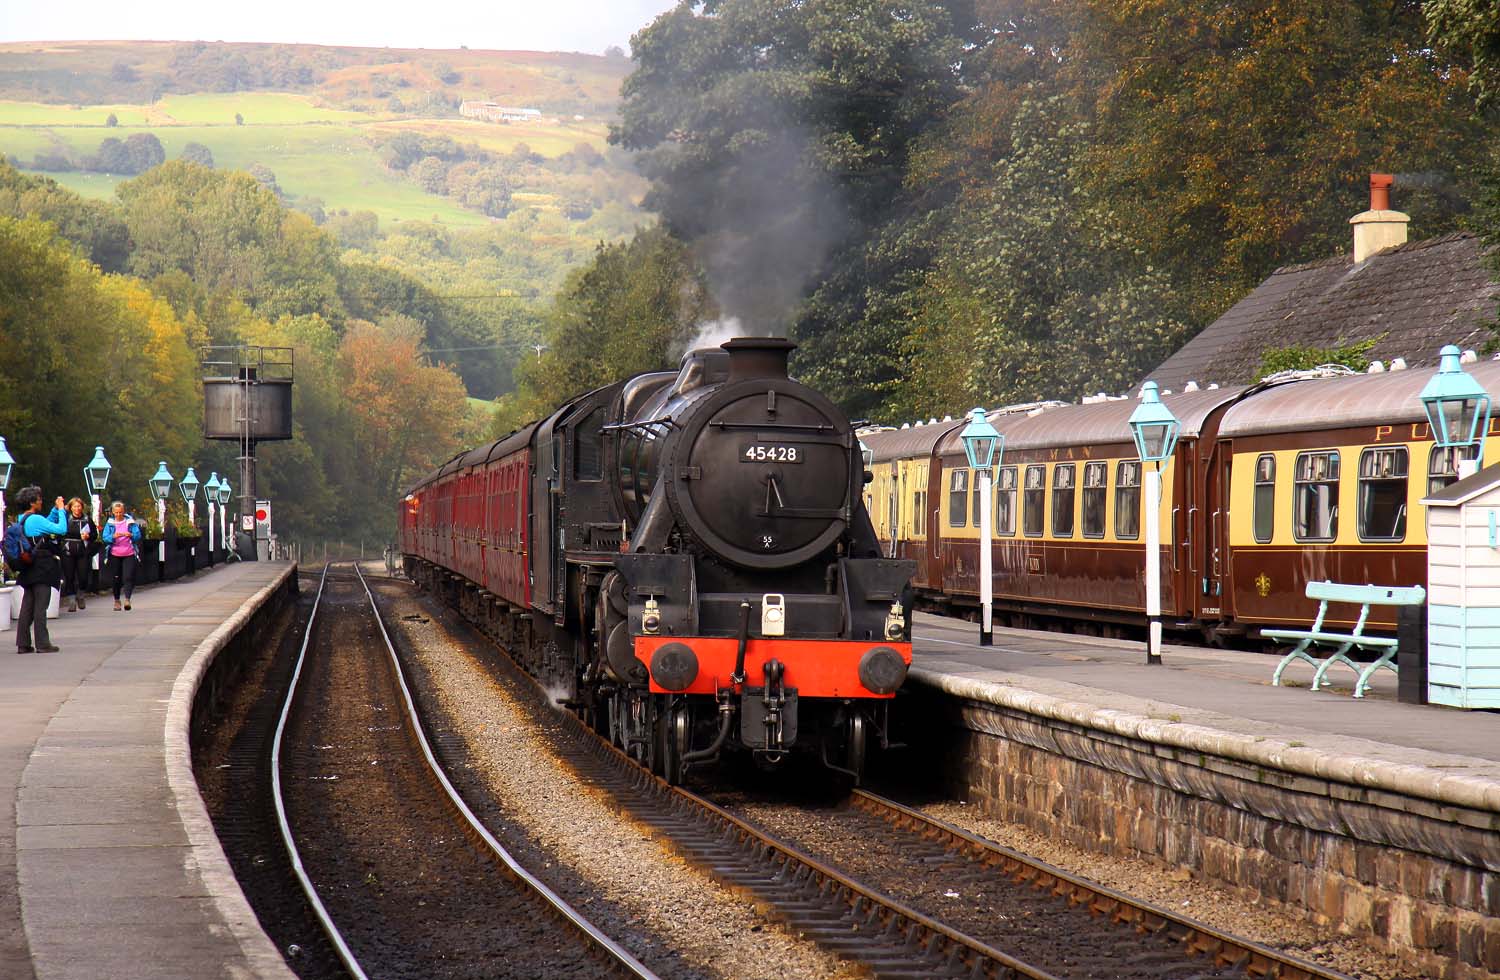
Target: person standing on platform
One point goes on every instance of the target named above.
(44, 572)
(78, 546)
(122, 538)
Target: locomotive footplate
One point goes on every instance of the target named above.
(768, 723)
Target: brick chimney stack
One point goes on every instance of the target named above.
(1379, 228)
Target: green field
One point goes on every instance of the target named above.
(314, 151)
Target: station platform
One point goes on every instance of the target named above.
(1222, 700)
(1371, 817)
(109, 866)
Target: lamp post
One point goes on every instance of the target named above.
(211, 494)
(984, 446)
(1154, 428)
(189, 490)
(7, 461)
(161, 488)
(96, 478)
(226, 494)
(1458, 410)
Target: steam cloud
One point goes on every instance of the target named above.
(712, 333)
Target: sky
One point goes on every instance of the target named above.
(533, 25)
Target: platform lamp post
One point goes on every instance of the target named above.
(1154, 428)
(96, 478)
(226, 494)
(161, 488)
(7, 461)
(189, 490)
(1458, 409)
(984, 446)
(211, 494)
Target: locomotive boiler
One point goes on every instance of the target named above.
(685, 558)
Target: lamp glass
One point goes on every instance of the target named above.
(211, 488)
(96, 474)
(189, 486)
(1457, 406)
(161, 482)
(6, 462)
(225, 492)
(1153, 426)
(981, 441)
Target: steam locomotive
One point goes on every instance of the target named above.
(685, 559)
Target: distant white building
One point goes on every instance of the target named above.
(495, 112)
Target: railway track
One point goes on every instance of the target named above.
(896, 938)
(996, 891)
(418, 866)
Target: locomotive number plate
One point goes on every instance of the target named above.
(771, 453)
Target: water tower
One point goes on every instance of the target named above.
(247, 398)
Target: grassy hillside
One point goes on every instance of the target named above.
(141, 72)
(322, 134)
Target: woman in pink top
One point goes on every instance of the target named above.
(122, 533)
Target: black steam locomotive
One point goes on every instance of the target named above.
(686, 559)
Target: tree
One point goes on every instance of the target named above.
(144, 151)
(93, 226)
(239, 119)
(230, 234)
(635, 308)
(85, 350)
(776, 132)
(197, 153)
(1470, 29)
(406, 414)
(111, 120)
(1236, 138)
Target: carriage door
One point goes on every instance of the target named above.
(893, 512)
(1218, 595)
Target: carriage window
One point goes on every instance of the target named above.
(1063, 476)
(1032, 502)
(1128, 499)
(958, 497)
(1265, 497)
(1442, 465)
(978, 502)
(1315, 511)
(1095, 478)
(1382, 494)
(918, 514)
(1005, 502)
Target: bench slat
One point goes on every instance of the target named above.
(1373, 595)
(1357, 640)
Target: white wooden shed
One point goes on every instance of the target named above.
(1463, 592)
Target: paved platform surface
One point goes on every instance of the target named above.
(108, 864)
(1222, 700)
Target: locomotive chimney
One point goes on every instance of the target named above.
(757, 357)
(1379, 228)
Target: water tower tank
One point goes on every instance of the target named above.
(248, 385)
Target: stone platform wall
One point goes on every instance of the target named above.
(1417, 877)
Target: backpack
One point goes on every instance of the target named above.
(17, 547)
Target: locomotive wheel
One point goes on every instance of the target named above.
(672, 730)
(854, 755)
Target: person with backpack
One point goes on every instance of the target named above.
(122, 540)
(39, 571)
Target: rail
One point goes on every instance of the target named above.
(1253, 959)
(593, 934)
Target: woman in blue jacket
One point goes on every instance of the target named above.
(44, 572)
(122, 539)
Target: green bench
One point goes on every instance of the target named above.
(1363, 596)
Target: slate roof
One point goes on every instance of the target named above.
(1415, 298)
